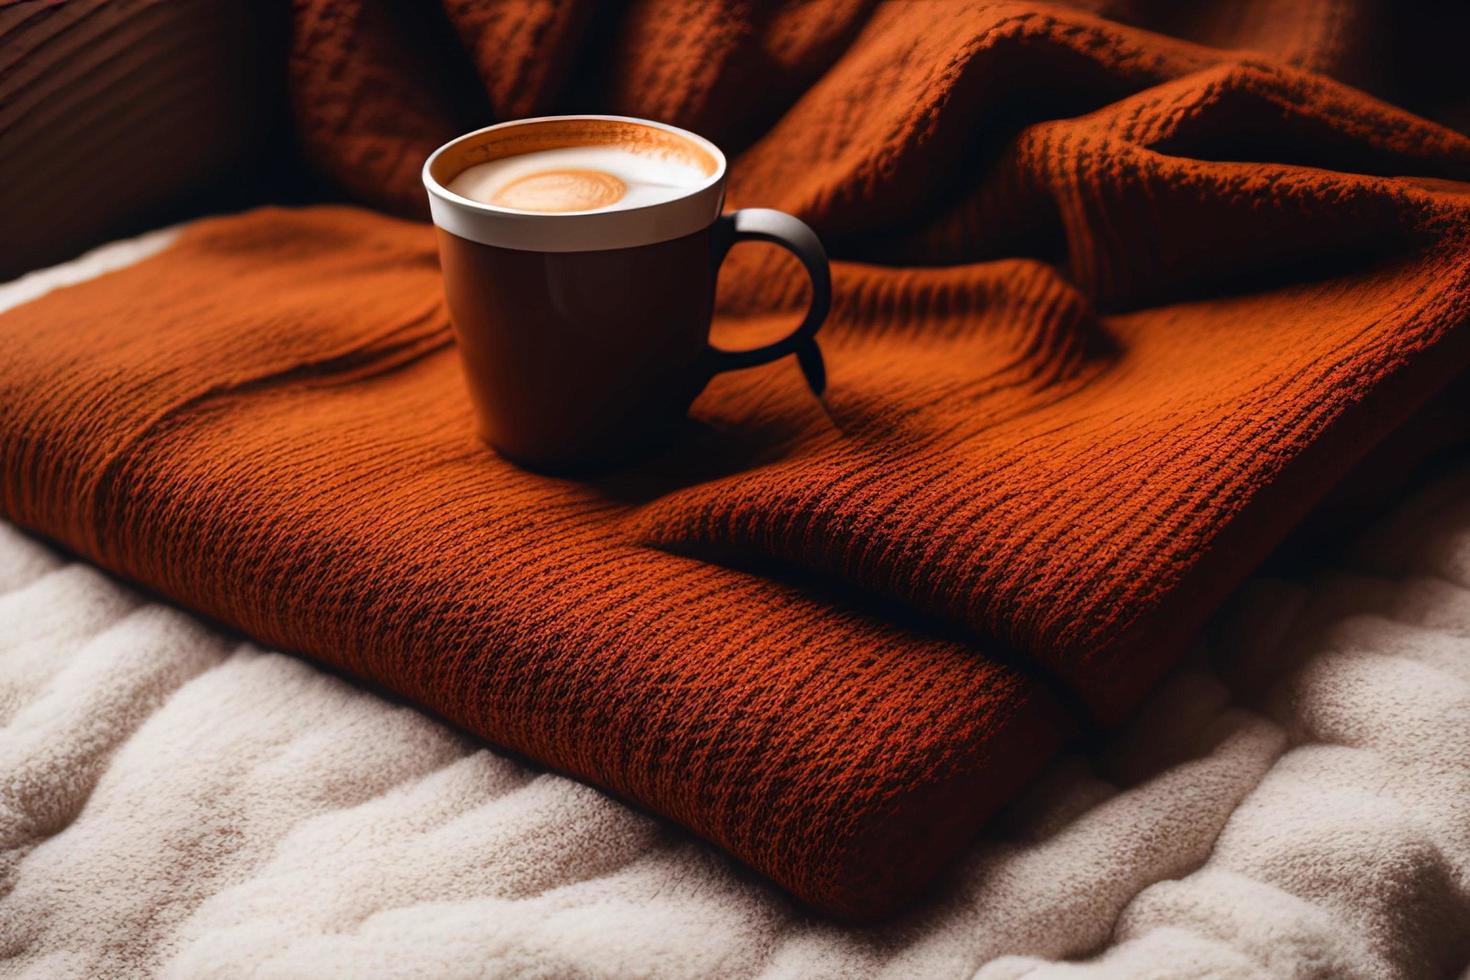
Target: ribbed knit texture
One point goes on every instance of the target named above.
(112, 110)
(1113, 310)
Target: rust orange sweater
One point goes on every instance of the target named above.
(1113, 310)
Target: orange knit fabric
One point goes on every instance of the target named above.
(1112, 311)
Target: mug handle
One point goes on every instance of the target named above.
(792, 234)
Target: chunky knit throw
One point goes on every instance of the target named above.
(1113, 310)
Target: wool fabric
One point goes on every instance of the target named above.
(1113, 310)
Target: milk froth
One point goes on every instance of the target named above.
(578, 178)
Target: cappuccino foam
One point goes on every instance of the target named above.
(578, 178)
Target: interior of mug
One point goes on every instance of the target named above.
(535, 135)
(572, 225)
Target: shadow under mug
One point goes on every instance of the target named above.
(584, 335)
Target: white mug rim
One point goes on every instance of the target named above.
(575, 231)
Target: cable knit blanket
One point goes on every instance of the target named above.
(1113, 309)
(176, 801)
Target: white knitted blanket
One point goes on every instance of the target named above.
(173, 800)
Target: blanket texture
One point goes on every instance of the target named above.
(832, 642)
(177, 802)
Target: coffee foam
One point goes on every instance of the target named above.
(579, 178)
(636, 183)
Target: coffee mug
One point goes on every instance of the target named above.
(579, 256)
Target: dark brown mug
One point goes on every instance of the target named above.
(584, 334)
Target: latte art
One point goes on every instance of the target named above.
(561, 190)
(578, 178)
